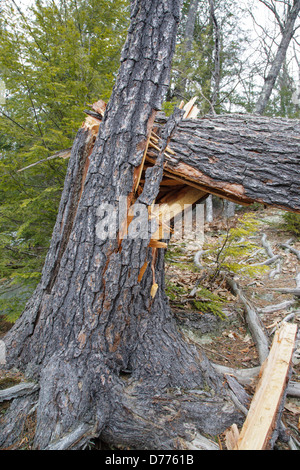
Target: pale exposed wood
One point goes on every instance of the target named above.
(193, 177)
(154, 290)
(188, 107)
(99, 107)
(157, 244)
(92, 124)
(142, 271)
(142, 164)
(182, 180)
(173, 204)
(231, 437)
(169, 182)
(261, 419)
(194, 113)
(167, 151)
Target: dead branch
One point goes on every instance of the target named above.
(277, 307)
(287, 246)
(267, 246)
(19, 390)
(272, 257)
(254, 323)
(74, 439)
(243, 376)
(293, 389)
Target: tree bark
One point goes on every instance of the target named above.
(102, 344)
(242, 158)
(287, 31)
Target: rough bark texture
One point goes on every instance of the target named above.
(243, 158)
(106, 353)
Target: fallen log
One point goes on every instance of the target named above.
(260, 424)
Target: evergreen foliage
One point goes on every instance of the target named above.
(292, 223)
(55, 60)
(234, 249)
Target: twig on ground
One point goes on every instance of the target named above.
(287, 246)
(277, 307)
(272, 257)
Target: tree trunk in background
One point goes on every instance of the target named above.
(190, 25)
(269, 82)
(209, 213)
(216, 75)
(100, 341)
(181, 87)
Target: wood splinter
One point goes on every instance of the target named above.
(262, 418)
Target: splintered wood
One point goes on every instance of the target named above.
(174, 203)
(261, 419)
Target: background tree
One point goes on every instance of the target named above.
(287, 24)
(208, 55)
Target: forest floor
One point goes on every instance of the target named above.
(227, 340)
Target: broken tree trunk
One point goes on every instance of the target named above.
(242, 158)
(98, 334)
